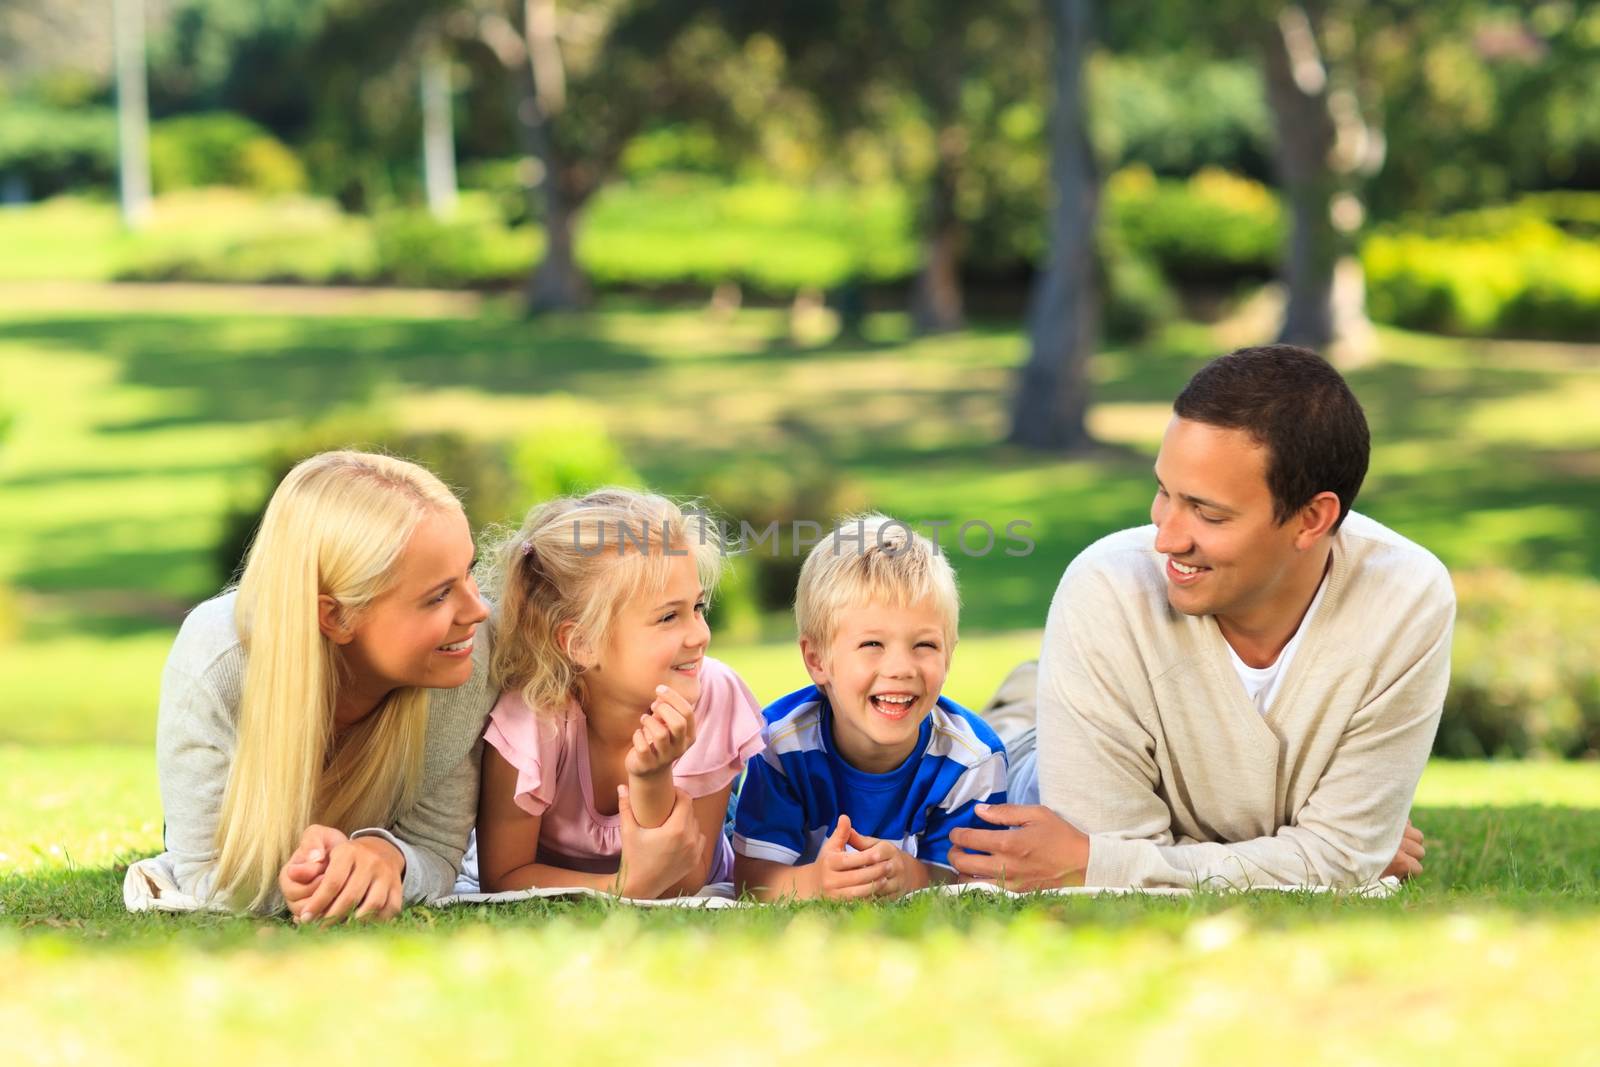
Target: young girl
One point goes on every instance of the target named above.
(616, 740)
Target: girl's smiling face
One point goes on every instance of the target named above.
(882, 673)
(655, 639)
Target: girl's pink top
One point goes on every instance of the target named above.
(550, 752)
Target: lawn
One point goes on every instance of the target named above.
(1485, 959)
(138, 415)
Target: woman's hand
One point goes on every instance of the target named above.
(303, 873)
(653, 860)
(366, 875)
(663, 735)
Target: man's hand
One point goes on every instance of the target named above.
(663, 735)
(1041, 850)
(1408, 858)
(300, 877)
(366, 875)
(906, 872)
(656, 858)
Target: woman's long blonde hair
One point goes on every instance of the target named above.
(578, 560)
(336, 525)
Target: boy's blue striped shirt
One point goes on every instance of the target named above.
(798, 787)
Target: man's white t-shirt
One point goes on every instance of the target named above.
(1262, 683)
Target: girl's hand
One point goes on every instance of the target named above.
(367, 875)
(655, 860)
(663, 735)
(301, 876)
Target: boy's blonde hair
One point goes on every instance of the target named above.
(337, 526)
(579, 560)
(872, 559)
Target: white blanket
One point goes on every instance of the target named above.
(150, 886)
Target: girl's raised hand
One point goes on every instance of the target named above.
(663, 735)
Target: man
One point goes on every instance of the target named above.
(1245, 692)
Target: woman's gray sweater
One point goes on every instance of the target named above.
(195, 733)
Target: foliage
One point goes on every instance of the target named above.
(476, 470)
(472, 247)
(770, 507)
(221, 148)
(52, 149)
(1212, 228)
(1526, 668)
(1528, 269)
(567, 450)
(1176, 113)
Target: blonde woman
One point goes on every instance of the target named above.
(318, 725)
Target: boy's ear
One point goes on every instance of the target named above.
(576, 646)
(816, 662)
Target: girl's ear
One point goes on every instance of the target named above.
(816, 662)
(577, 647)
(330, 620)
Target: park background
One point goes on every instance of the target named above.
(948, 260)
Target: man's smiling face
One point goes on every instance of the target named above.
(1225, 553)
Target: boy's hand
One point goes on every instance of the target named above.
(843, 875)
(663, 735)
(906, 872)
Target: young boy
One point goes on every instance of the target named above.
(866, 771)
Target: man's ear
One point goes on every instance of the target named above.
(330, 620)
(1316, 519)
(816, 661)
(577, 647)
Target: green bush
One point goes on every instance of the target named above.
(478, 471)
(567, 451)
(1528, 268)
(221, 148)
(1211, 227)
(1137, 298)
(1525, 668)
(755, 494)
(54, 149)
(473, 247)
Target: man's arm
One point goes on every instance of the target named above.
(1345, 834)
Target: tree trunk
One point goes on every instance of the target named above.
(540, 79)
(133, 114)
(1297, 91)
(1052, 399)
(438, 132)
(557, 283)
(936, 301)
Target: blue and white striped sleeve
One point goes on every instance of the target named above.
(769, 822)
(982, 783)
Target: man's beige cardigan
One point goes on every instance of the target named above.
(1148, 743)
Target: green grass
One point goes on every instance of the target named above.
(1484, 959)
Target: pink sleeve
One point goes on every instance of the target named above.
(727, 732)
(531, 744)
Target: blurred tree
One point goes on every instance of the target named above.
(1052, 398)
(583, 77)
(964, 72)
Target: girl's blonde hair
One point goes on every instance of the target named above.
(578, 560)
(872, 559)
(336, 525)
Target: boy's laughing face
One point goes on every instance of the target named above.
(882, 673)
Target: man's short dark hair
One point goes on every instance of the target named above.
(1290, 400)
